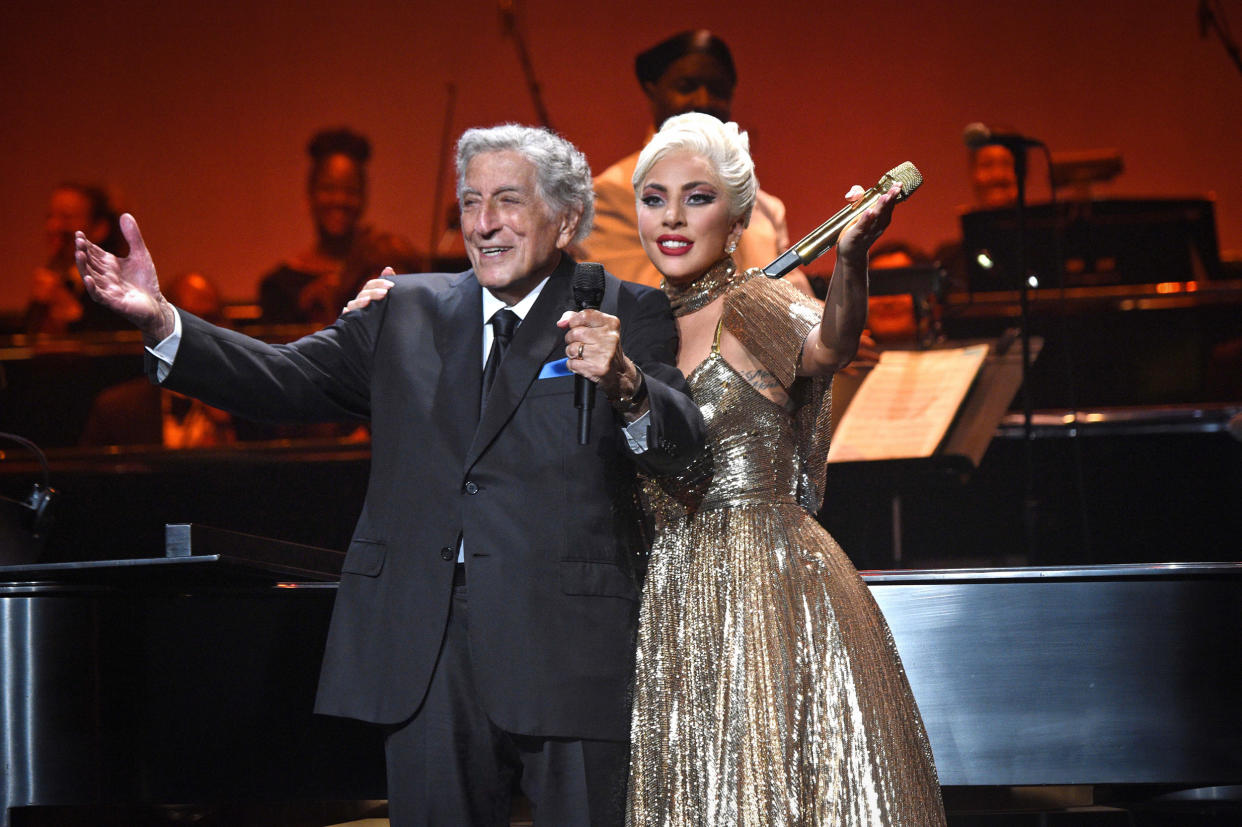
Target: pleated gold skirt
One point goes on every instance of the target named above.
(768, 688)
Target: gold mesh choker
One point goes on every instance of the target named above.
(705, 289)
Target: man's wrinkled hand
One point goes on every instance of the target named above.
(127, 286)
(593, 350)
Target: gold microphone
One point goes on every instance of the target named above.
(825, 236)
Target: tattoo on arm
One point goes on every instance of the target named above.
(760, 379)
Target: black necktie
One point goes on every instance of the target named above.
(504, 322)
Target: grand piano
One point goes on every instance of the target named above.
(154, 687)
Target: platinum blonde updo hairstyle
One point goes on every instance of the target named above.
(725, 147)
(562, 174)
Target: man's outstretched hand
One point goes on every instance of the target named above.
(127, 286)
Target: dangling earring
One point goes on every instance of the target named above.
(731, 246)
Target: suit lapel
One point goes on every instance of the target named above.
(459, 342)
(536, 339)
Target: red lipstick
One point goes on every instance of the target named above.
(674, 245)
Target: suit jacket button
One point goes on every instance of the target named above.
(446, 553)
(472, 488)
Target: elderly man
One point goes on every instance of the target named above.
(488, 600)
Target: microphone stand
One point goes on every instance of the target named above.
(437, 197)
(508, 19)
(1208, 18)
(1024, 311)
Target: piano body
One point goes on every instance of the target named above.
(171, 681)
(1115, 683)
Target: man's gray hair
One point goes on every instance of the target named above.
(562, 175)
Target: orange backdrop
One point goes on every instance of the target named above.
(197, 113)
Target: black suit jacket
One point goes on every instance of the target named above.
(550, 527)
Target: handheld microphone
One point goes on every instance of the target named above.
(976, 135)
(825, 236)
(588, 289)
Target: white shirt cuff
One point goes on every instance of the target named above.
(166, 351)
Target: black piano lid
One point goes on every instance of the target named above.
(194, 555)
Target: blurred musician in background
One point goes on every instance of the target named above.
(57, 304)
(992, 178)
(137, 412)
(993, 185)
(312, 286)
(692, 71)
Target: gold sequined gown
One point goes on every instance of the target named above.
(768, 690)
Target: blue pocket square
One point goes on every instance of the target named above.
(551, 370)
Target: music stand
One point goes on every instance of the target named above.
(962, 448)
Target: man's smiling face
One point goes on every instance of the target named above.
(511, 237)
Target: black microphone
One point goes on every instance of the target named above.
(825, 236)
(588, 288)
(976, 135)
(37, 507)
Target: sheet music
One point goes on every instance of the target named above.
(906, 403)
